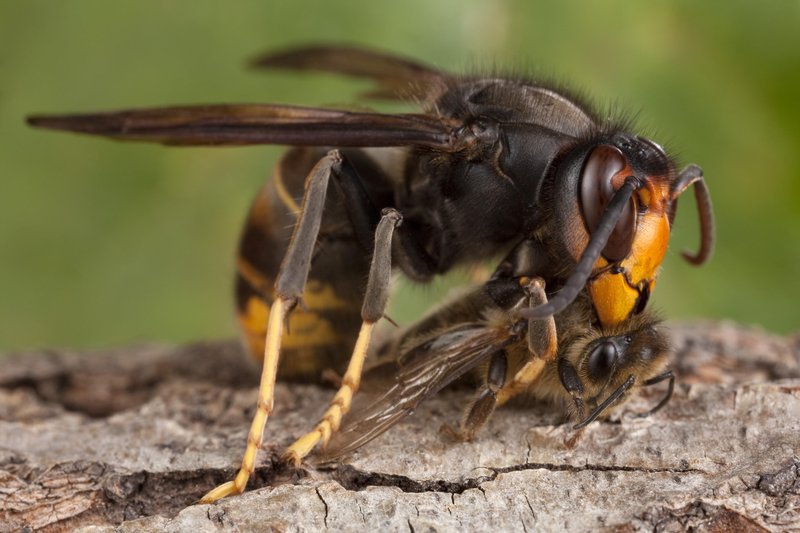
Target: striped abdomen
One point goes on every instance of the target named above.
(322, 333)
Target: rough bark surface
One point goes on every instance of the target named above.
(128, 440)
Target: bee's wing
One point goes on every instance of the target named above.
(421, 372)
(396, 77)
(234, 124)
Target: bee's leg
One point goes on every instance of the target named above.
(478, 413)
(289, 286)
(372, 310)
(572, 384)
(542, 346)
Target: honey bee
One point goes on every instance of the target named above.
(494, 167)
(587, 371)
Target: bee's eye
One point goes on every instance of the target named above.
(602, 176)
(602, 360)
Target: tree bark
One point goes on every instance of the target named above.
(129, 439)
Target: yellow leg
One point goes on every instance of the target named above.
(542, 345)
(523, 379)
(289, 286)
(330, 421)
(371, 311)
(277, 317)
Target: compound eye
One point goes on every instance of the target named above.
(602, 176)
(602, 360)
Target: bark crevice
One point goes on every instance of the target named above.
(135, 436)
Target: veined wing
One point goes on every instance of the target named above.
(247, 124)
(396, 77)
(422, 371)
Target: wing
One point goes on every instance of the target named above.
(236, 125)
(421, 372)
(396, 77)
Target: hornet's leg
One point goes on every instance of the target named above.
(372, 310)
(542, 346)
(289, 289)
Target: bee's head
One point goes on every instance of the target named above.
(602, 370)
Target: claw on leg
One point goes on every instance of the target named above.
(289, 287)
(275, 327)
(331, 420)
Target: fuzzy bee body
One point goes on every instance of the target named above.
(462, 339)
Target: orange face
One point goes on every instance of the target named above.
(619, 290)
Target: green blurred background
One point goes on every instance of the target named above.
(104, 243)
